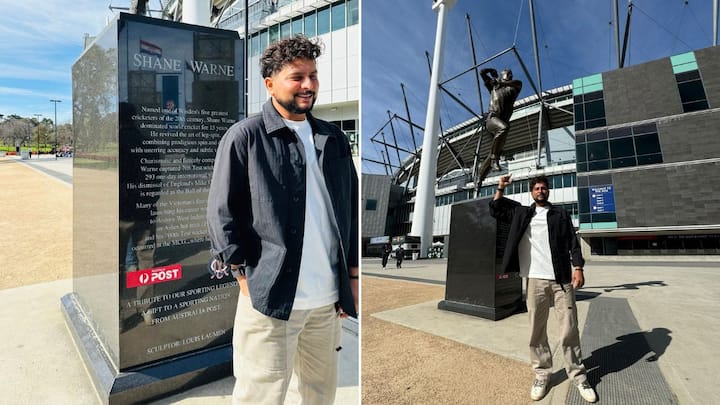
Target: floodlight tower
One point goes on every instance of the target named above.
(422, 223)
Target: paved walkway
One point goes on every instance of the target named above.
(648, 329)
(40, 364)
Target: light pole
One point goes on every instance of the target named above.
(37, 116)
(55, 122)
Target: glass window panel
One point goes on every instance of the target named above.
(578, 99)
(622, 147)
(310, 24)
(691, 91)
(595, 123)
(582, 167)
(338, 16)
(348, 125)
(624, 162)
(264, 40)
(255, 45)
(647, 144)
(594, 110)
(596, 135)
(297, 25)
(579, 112)
(596, 246)
(695, 106)
(323, 21)
(567, 180)
(580, 138)
(597, 150)
(274, 33)
(581, 152)
(620, 132)
(629, 161)
(557, 181)
(644, 128)
(687, 76)
(285, 30)
(583, 200)
(599, 165)
(650, 159)
(524, 187)
(353, 15)
(579, 125)
(595, 95)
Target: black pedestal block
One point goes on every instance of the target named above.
(150, 381)
(474, 283)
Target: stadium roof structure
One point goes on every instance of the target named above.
(457, 149)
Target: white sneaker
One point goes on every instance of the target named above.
(538, 390)
(587, 392)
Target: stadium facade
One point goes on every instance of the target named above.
(334, 23)
(632, 153)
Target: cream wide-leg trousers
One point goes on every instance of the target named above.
(267, 350)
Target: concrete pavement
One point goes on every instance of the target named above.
(40, 362)
(676, 305)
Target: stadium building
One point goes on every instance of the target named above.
(632, 153)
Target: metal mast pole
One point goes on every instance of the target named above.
(715, 22)
(474, 62)
(616, 21)
(539, 79)
(425, 198)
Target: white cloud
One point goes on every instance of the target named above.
(15, 91)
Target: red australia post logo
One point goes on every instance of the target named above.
(154, 275)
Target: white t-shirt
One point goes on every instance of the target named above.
(534, 248)
(317, 285)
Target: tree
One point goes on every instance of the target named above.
(16, 130)
(94, 97)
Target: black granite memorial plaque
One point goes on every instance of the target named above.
(475, 284)
(151, 100)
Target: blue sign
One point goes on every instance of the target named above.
(602, 199)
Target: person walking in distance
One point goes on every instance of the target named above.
(386, 250)
(399, 256)
(543, 247)
(283, 216)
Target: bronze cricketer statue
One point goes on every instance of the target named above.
(503, 93)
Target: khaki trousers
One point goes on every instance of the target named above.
(266, 350)
(540, 295)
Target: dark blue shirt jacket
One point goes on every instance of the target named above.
(564, 245)
(256, 206)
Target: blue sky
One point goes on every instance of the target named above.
(39, 42)
(575, 39)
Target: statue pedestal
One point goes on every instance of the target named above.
(474, 284)
(151, 99)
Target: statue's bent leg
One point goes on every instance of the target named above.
(499, 129)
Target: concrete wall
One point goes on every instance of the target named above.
(641, 92)
(375, 187)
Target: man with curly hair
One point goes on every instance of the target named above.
(282, 214)
(543, 247)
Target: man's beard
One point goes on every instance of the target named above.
(293, 108)
(544, 200)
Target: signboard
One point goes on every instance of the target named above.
(602, 199)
